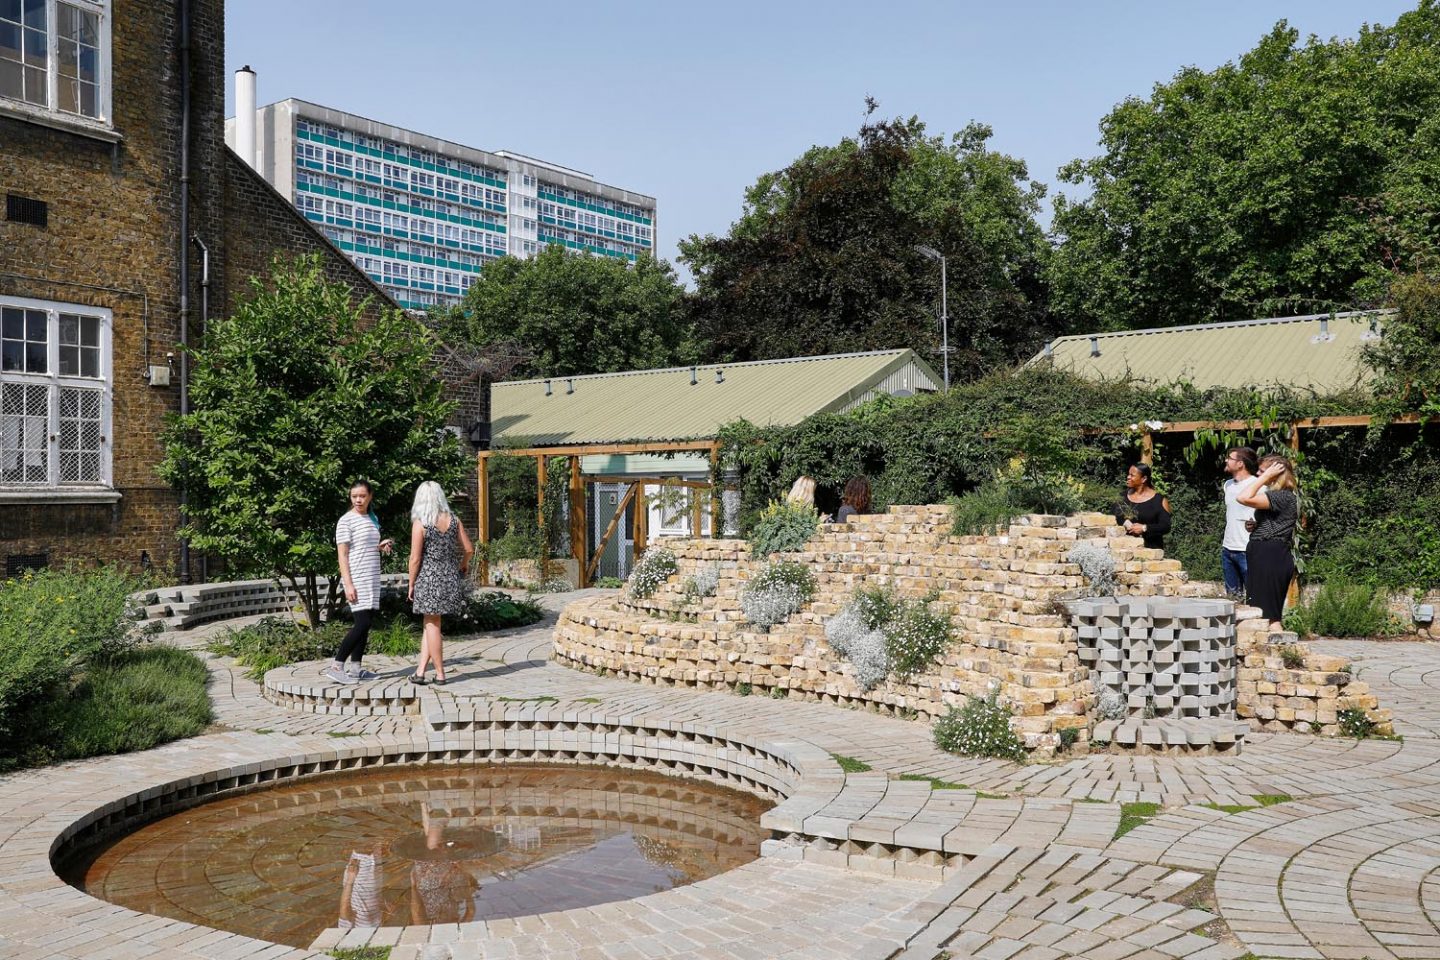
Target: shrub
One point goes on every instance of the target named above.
(981, 728)
(784, 527)
(493, 610)
(53, 623)
(1097, 564)
(984, 511)
(1111, 706)
(1069, 736)
(133, 700)
(1344, 609)
(609, 583)
(654, 567)
(776, 592)
(703, 584)
(916, 637)
(1355, 723)
(877, 606)
(879, 633)
(1292, 657)
(849, 635)
(275, 641)
(1018, 490)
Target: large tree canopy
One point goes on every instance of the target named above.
(1292, 181)
(296, 397)
(822, 259)
(564, 314)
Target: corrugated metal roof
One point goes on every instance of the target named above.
(665, 405)
(1288, 351)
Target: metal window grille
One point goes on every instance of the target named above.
(80, 437)
(17, 563)
(20, 209)
(24, 434)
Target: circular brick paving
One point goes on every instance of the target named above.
(864, 865)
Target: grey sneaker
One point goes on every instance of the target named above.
(340, 676)
(360, 673)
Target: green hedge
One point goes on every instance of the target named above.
(1370, 497)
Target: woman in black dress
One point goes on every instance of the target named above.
(1270, 565)
(1142, 510)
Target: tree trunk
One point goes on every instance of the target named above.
(311, 597)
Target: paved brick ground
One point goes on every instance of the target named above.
(1350, 867)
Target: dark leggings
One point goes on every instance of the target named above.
(353, 646)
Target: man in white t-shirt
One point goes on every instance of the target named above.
(1241, 464)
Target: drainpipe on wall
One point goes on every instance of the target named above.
(183, 15)
(204, 324)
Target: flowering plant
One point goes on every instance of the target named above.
(981, 728)
(776, 592)
(654, 567)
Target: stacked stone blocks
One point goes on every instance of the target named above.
(1001, 593)
(1283, 686)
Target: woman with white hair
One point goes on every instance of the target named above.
(439, 561)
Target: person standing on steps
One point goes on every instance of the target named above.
(1275, 495)
(357, 540)
(1142, 510)
(1241, 465)
(439, 562)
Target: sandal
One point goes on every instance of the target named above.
(438, 681)
(418, 679)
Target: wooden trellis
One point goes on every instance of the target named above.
(578, 495)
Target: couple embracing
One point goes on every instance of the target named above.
(439, 563)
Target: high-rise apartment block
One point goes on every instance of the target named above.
(422, 215)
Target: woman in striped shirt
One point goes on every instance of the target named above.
(357, 538)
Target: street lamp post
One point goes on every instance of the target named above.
(933, 254)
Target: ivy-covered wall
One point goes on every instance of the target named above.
(1371, 496)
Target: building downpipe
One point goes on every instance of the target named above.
(183, 16)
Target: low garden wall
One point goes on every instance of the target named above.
(1005, 596)
(1001, 593)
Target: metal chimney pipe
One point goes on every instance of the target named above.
(245, 115)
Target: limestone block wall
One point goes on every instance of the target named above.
(1000, 592)
(1163, 658)
(1307, 695)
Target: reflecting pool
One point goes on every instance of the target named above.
(424, 845)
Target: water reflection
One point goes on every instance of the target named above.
(410, 847)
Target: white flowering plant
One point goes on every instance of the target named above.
(981, 728)
(776, 592)
(654, 567)
(879, 633)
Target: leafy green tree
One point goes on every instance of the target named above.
(1405, 359)
(564, 314)
(296, 395)
(1291, 181)
(823, 259)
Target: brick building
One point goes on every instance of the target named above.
(93, 244)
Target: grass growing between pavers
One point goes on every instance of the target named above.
(546, 698)
(935, 784)
(851, 765)
(1200, 895)
(1261, 800)
(361, 953)
(1134, 814)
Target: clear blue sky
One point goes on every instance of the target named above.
(690, 102)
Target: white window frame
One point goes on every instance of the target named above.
(54, 381)
(50, 111)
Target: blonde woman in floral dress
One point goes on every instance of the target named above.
(439, 562)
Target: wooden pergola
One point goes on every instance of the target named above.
(587, 564)
(1147, 433)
